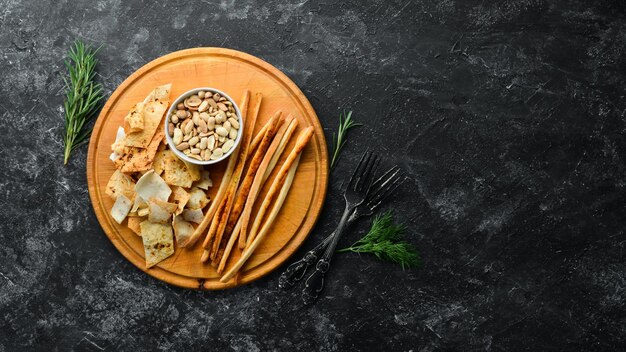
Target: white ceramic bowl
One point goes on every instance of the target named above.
(173, 108)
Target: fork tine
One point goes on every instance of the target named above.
(384, 178)
(373, 172)
(358, 170)
(365, 179)
(373, 205)
(386, 190)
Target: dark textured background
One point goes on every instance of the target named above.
(509, 117)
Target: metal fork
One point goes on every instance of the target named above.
(355, 194)
(381, 189)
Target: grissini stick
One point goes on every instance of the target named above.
(259, 178)
(279, 182)
(258, 138)
(242, 193)
(224, 184)
(211, 232)
(281, 147)
(268, 224)
(301, 142)
(223, 220)
(226, 245)
(259, 216)
(224, 253)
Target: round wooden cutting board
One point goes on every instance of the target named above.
(232, 72)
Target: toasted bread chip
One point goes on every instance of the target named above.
(120, 184)
(205, 181)
(160, 93)
(160, 211)
(140, 159)
(158, 242)
(118, 146)
(152, 185)
(179, 197)
(134, 225)
(182, 229)
(193, 215)
(139, 204)
(133, 122)
(175, 171)
(121, 207)
(153, 113)
(194, 171)
(158, 164)
(197, 199)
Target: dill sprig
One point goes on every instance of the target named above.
(81, 97)
(339, 139)
(384, 240)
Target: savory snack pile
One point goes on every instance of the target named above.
(163, 198)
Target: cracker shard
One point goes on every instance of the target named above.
(205, 181)
(180, 197)
(140, 159)
(182, 230)
(121, 208)
(158, 242)
(134, 224)
(153, 111)
(120, 184)
(160, 211)
(176, 172)
(198, 199)
(151, 185)
(133, 122)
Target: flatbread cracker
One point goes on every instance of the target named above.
(160, 211)
(140, 159)
(160, 93)
(118, 146)
(205, 180)
(158, 164)
(158, 242)
(182, 230)
(134, 224)
(121, 208)
(194, 170)
(152, 185)
(197, 199)
(153, 113)
(175, 171)
(179, 197)
(193, 215)
(133, 122)
(138, 204)
(120, 184)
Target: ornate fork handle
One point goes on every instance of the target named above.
(295, 272)
(315, 283)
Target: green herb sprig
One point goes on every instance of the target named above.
(384, 240)
(339, 139)
(81, 97)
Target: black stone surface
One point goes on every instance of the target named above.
(508, 116)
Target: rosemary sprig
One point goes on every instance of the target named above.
(81, 97)
(339, 139)
(384, 240)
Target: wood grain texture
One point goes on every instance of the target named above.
(231, 71)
